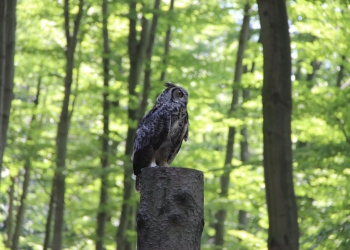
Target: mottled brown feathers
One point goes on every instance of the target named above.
(161, 131)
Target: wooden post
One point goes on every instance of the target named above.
(171, 214)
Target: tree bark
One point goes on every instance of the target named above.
(27, 171)
(245, 156)
(171, 214)
(7, 68)
(298, 70)
(63, 125)
(311, 76)
(22, 207)
(277, 108)
(9, 219)
(102, 213)
(49, 218)
(149, 53)
(166, 45)
(136, 51)
(340, 75)
(225, 178)
(3, 11)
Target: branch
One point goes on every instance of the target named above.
(132, 40)
(149, 52)
(77, 20)
(342, 125)
(346, 84)
(166, 45)
(66, 20)
(143, 43)
(75, 90)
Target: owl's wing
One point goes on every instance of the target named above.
(152, 132)
(186, 131)
(177, 140)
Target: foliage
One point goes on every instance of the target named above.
(203, 47)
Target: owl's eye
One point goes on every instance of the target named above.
(180, 94)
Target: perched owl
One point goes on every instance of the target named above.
(161, 131)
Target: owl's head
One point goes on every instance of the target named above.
(174, 93)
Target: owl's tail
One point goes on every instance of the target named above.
(138, 183)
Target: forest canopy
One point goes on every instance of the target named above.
(86, 71)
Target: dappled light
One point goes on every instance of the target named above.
(87, 71)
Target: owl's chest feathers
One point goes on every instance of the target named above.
(178, 123)
(177, 129)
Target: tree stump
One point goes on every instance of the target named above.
(171, 215)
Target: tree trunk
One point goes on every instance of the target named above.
(171, 214)
(63, 125)
(102, 213)
(22, 207)
(298, 70)
(277, 108)
(3, 8)
(9, 219)
(49, 218)
(136, 51)
(166, 45)
(225, 178)
(242, 220)
(7, 68)
(130, 244)
(27, 170)
(340, 72)
(149, 53)
(245, 156)
(311, 76)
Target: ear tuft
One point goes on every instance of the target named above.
(170, 85)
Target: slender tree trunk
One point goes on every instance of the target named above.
(242, 220)
(3, 11)
(311, 76)
(22, 207)
(298, 70)
(63, 125)
(149, 53)
(76, 80)
(50, 214)
(3, 8)
(136, 51)
(167, 45)
(102, 212)
(277, 108)
(245, 156)
(340, 72)
(9, 219)
(225, 178)
(130, 244)
(27, 170)
(7, 68)
(310, 82)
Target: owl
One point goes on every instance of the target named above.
(161, 131)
